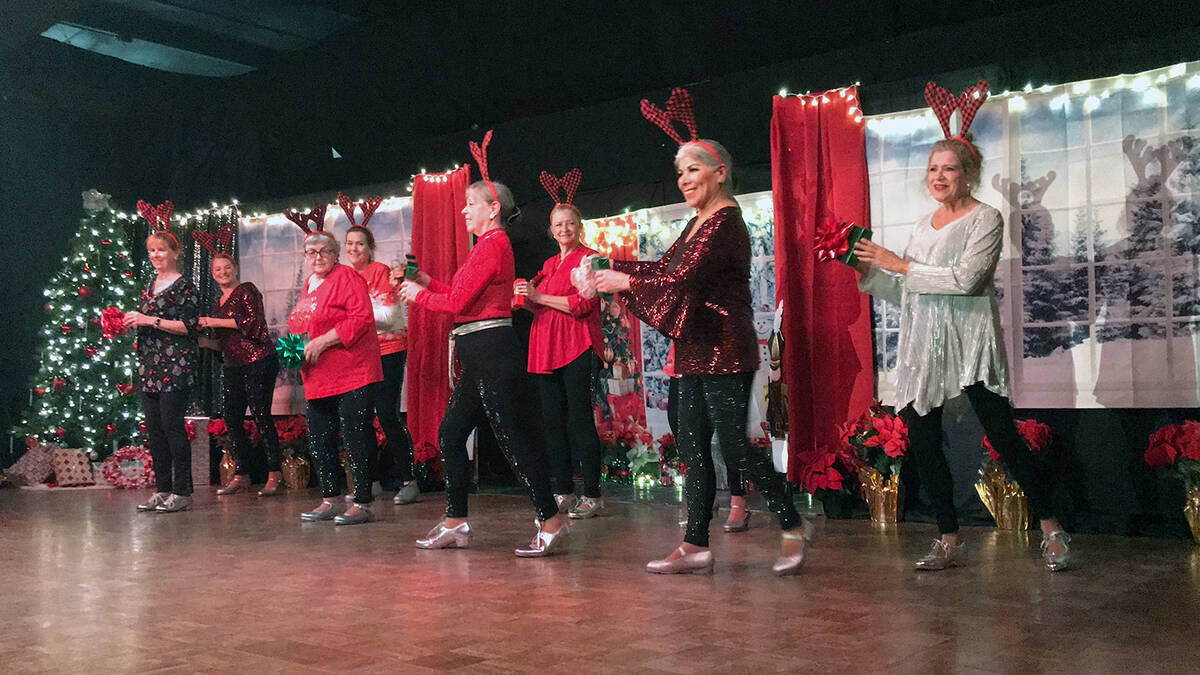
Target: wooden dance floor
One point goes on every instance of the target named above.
(240, 584)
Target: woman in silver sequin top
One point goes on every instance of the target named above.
(951, 344)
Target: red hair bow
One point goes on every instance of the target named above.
(569, 184)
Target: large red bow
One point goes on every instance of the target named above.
(569, 184)
(679, 109)
(944, 104)
(832, 240)
(367, 205)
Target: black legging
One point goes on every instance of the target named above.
(254, 385)
(394, 461)
(170, 449)
(995, 414)
(737, 487)
(351, 414)
(494, 388)
(719, 403)
(570, 424)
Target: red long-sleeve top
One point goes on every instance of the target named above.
(481, 288)
(340, 303)
(386, 308)
(698, 295)
(557, 338)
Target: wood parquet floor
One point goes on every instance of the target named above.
(239, 584)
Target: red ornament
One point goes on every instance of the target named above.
(106, 242)
(47, 307)
(59, 384)
(31, 442)
(110, 429)
(65, 328)
(121, 255)
(40, 391)
(95, 321)
(129, 274)
(90, 350)
(125, 388)
(60, 432)
(87, 268)
(141, 427)
(84, 291)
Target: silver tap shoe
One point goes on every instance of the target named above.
(544, 543)
(156, 500)
(1056, 562)
(364, 515)
(240, 483)
(942, 555)
(587, 507)
(324, 511)
(807, 532)
(175, 503)
(409, 494)
(565, 503)
(447, 537)
(686, 563)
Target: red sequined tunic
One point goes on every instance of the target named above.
(341, 304)
(698, 295)
(557, 338)
(481, 288)
(248, 342)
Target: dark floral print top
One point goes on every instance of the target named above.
(166, 360)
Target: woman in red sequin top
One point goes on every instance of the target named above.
(494, 385)
(562, 343)
(248, 377)
(698, 295)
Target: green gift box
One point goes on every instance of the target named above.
(855, 235)
(601, 263)
(410, 267)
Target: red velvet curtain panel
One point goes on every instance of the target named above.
(441, 244)
(819, 171)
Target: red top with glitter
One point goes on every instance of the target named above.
(341, 304)
(698, 295)
(557, 338)
(249, 341)
(481, 288)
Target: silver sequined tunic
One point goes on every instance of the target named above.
(949, 321)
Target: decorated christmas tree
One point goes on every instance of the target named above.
(83, 392)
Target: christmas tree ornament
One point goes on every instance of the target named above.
(125, 388)
(87, 268)
(59, 383)
(106, 242)
(31, 442)
(110, 429)
(65, 329)
(40, 391)
(84, 291)
(96, 201)
(60, 432)
(90, 350)
(95, 321)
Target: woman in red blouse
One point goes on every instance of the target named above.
(251, 367)
(698, 295)
(341, 361)
(566, 328)
(494, 384)
(394, 461)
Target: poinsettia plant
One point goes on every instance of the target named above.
(629, 452)
(292, 431)
(670, 466)
(1175, 449)
(1037, 436)
(878, 439)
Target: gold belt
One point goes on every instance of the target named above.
(467, 329)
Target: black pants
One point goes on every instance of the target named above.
(351, 414)
(495, 388)
(995, 414)
(170, 449)
(570, 424)
(719, 403)
(733, 477)
(394, 461)
(252, 385)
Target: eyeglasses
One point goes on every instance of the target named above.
(313, 253)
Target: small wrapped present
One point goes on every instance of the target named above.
(836, 240)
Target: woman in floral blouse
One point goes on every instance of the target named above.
(166, 322)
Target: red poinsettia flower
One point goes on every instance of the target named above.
(666, 441)
(216, 427)
(890, 434)
(1191, 440)
(1166, 446)
(817, 470)
(290, 428)
(1035, 433)
(251, 430)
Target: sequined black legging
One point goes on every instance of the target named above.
(719, 403)
(251, 385)
(495, 388)
(995, 415)
(737, 486)
(351, 414)
(570, 422)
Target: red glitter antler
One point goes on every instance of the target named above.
(221, 242)
(943, 104)
(569, 184)
(679, 109)
(479, 152)
(159, 216)
(367, 205)
(316, 216)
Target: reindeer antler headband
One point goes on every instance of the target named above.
(679, 109)
(569, 184)
(943, 104)
(316, 216)
(219, 244)
(367, 205)
(159, 218)
(479, 152)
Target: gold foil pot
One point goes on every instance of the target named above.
(1191, 511)
(1004, 500)
(228, 468)
(882, 496)
(295, 472)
